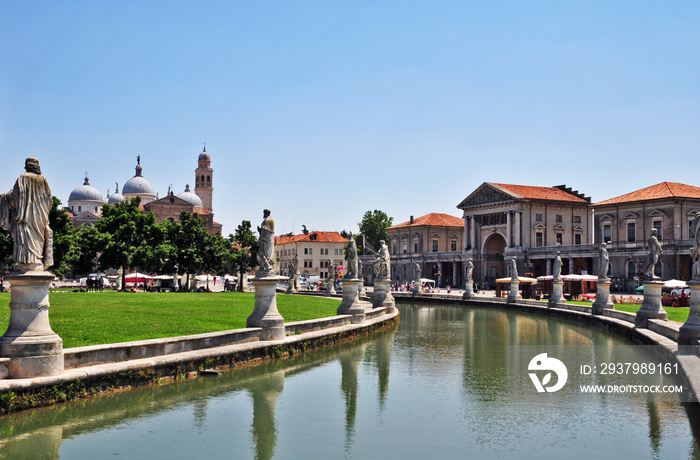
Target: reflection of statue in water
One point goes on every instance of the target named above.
(266, 252)
(351, 257)
(654, 252)
(513, 269)
(556, 273)
(470, 271)
(695, 251)
(24, 212)
(381, 263)
(603, 263)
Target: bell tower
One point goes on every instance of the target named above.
(204, 179)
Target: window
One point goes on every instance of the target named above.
(630, 270)
(560, 238)
(308, 264)
(393, 247)
(538, 217)
(405, 247)
(539, 240)
(631, 231)
(435, 245)
(324, 251)
(415, 246)
(559, 218)
(577, 219)
(577, 238)
(657, 224)
(323, 275)
(79, 208)
(453, 245)
(607, 233)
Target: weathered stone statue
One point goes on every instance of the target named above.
(24, 212)
(266, 252)
(513, 269)
(294, 266)
(470, 271)
(695, 251)
(653, 252)
(351, 257)
(603, 263)
(556, 269)
(382, 262)
(419, 272)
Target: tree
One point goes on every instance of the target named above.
(217, 254)
(64, 239)
(124, 236)
(189, 240)
(373, 227)
(246, 247)
(6, 247)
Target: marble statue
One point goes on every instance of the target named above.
(351, 272)
(331, 269)
(24, 212)
(266, 252)
(603, 262)
(381, 263)
(418, 271)
(294, 265)
(653, 252)
(556, 273)
(695, 251)
(470, 271)
(513, 269)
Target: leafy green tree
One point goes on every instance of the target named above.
(64, 239)
(245, 248)
(83, 254)
(6, 247)
(189, 240)
(217, 254)
(374, 227)
(123, 236)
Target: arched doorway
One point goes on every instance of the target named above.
(493, 253)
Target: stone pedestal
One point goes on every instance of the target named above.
(265, 314)
(514, 293)
(651, 306)
(382, 295)
(416, 289)
(33, 348)
(351, 304)
(292, 285)
(468, 290)
(602, 298)
(330, 288)
(557, 298)
(689, 333)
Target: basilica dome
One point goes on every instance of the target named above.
(139, 186)
(190, 197)
(116, 197)
(204, 156)
(85, 192)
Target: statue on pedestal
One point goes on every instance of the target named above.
(351, 258)
(513, 269)
(695, 251)
(556, 274)
(381, 263)
(654, 252)
(470, 271)
(266, 252)
(24, 212)
(603, 263)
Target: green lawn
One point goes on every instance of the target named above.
(110, 317)
(674, 314)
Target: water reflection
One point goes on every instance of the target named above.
(446, 382)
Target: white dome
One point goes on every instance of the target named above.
(116, 198)
(86, 192)
(190, 197)
(138, 185)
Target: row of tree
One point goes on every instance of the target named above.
(126, 237)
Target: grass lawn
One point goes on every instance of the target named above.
(92, 318)
(679, 314)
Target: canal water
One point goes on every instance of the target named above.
(448, 382)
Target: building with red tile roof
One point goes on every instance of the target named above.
(316, 251)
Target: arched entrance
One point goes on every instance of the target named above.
(493, 253)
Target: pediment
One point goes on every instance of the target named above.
(657, 213)
(540, 227)
(486, 194)
(631, 216)
(606, 217)
(559, 227)
(578, 228)
(435, 235)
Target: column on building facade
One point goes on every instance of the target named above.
(549, 267)
(439, 280)
(465, 232)
(454, 274)
(518, 218)
(472, 232)
(571, 265)
(509, 228)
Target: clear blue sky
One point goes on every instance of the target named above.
(323, 110)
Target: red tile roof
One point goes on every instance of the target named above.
(433, 220)
(312, 237)
(656, 192)
(540, 193)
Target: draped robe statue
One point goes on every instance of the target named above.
(351, 257)
(24, 212)
(266, 253)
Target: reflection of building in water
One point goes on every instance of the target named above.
(85, 202)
